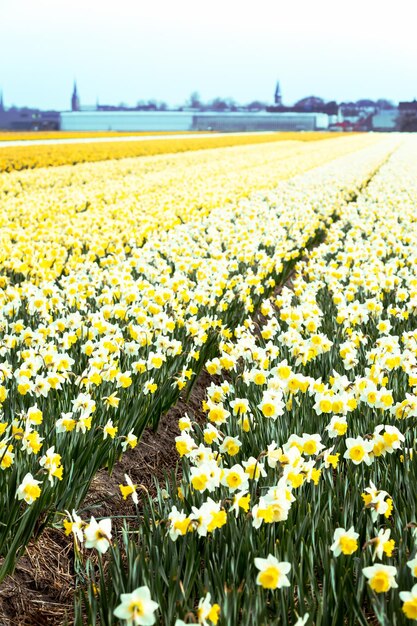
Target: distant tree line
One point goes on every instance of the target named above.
(311, 103)
(220, 105)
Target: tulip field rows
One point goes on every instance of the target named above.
(120, 281)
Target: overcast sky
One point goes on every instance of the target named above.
(128, 50)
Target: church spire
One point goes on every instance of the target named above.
(75, 100)
(277, 95)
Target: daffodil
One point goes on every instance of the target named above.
(29, 489)
(344, 541)
(207, 613)
(272, 574)
(98, 534)
(409, 599)
(129, 490)
(137, 608)
(358, 450)
(381, 578)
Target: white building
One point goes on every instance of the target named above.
(186, 120)
(385, 120)
(126, 120)
(260, 121)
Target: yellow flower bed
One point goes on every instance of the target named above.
(30, 157)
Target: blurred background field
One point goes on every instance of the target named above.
(34, 156)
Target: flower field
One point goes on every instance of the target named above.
(286, 271)
(107, 209)
(50, 155)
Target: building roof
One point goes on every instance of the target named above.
(408, 106)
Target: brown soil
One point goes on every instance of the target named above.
(38, 592)
(154, 456)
